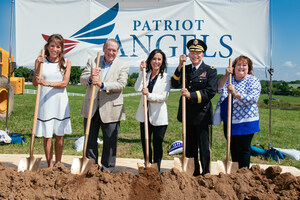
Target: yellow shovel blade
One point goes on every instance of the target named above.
(81, 166)
(227, 167)
(185, 165)
(30, 163)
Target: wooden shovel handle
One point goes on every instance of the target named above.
(88, 122)
(183, 114)
(229, 117)
(146, 121)
(36, 109)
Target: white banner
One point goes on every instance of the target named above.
(229, 28)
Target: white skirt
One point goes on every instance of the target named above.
(54, 113)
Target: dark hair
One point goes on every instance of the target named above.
(57, 38)
(242, 58)
(163, 66)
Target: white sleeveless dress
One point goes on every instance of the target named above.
(54, 113)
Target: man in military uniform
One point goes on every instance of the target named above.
(201, 87)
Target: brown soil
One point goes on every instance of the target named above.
(59, 183)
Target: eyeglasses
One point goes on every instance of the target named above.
(242, 65)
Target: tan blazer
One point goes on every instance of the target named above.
(109, 101)
(157, 107)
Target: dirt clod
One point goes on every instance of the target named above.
(272, 172)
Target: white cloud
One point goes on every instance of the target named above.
(298, 73)
(289, 64)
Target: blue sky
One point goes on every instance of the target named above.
(286, 38)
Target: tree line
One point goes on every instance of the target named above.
(291, 88)
(29, 73)
(74, 75)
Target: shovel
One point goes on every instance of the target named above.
(147, 164)
(82, 165)
(210, 144)
(227, 166)
(184, 164)
(32, 163)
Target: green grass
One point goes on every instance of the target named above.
(290, 99)
(280, 102)
(284, 133)
(81, 89)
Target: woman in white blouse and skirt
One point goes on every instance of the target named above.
(158, 86)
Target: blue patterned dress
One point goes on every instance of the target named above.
(245, 116)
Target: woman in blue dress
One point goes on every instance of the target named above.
(245, 90)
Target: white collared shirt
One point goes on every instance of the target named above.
(197, 66)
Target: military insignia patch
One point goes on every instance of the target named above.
(212, 67)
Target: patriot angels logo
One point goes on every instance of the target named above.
(94, 32)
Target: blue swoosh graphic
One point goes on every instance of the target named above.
(99, 32)
(94, 41)
(106, 17)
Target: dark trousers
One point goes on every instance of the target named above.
(197, 137)
(110, 137)
(158, 137)
(240, 148)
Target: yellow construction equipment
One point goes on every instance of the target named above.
(16, 86)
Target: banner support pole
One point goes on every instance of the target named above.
(271, 70)
(10, 65)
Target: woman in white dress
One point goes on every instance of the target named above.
(54, 114)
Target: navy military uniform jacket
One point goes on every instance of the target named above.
(202, 85)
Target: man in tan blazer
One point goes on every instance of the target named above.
(108, 110)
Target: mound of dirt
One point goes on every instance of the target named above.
(59, 183)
